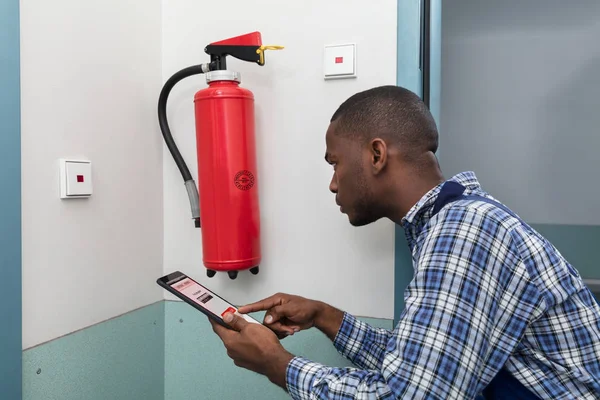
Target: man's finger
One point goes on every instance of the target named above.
(274, 314)
(281, 335)
(220, 330)
(236, 322)
(278, 328)
(261, 305)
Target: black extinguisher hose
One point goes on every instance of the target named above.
(190, 185)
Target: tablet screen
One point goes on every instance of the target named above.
(206, 299)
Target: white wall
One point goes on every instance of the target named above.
(309, 248)
(519, 103)
(90, 80)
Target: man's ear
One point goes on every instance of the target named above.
(379, 156)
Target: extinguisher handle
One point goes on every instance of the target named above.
(250, 53)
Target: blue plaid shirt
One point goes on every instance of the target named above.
(486, 294)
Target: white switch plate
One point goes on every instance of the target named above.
(75, 178)
(339, 61)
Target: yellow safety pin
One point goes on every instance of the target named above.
(261, 52)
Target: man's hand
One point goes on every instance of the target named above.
(287, 314)
(254, 347)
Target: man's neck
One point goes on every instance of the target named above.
(407, 199)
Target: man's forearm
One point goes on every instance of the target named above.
(328, 320)
(277, 368)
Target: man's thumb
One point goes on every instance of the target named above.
(235, 321)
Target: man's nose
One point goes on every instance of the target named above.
(333, 184)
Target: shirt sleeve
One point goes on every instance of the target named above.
(361, 343)
(466, 309)
(307, 380)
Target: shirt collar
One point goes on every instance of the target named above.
(421, 211)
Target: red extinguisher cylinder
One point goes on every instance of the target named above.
(227, 175)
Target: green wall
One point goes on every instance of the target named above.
(197, 366)
(10, 201)
(163, 351)
(577, 243)
(120, 359)
(409, 75)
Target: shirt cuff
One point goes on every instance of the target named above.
(349, 339)
(300, 377)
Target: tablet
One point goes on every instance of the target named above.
(199, 297)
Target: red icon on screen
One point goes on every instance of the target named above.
(229, 310)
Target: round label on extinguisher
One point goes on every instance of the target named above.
(244, 180)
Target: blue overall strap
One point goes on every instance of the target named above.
(453, 191)
(503, 386)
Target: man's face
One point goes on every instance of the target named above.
(350, 181)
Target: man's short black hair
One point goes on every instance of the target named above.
(392, 113)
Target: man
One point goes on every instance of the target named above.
(493, 308)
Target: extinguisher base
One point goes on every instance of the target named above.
(232, 274)
(232, 265)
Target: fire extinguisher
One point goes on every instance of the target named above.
(225, 205)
